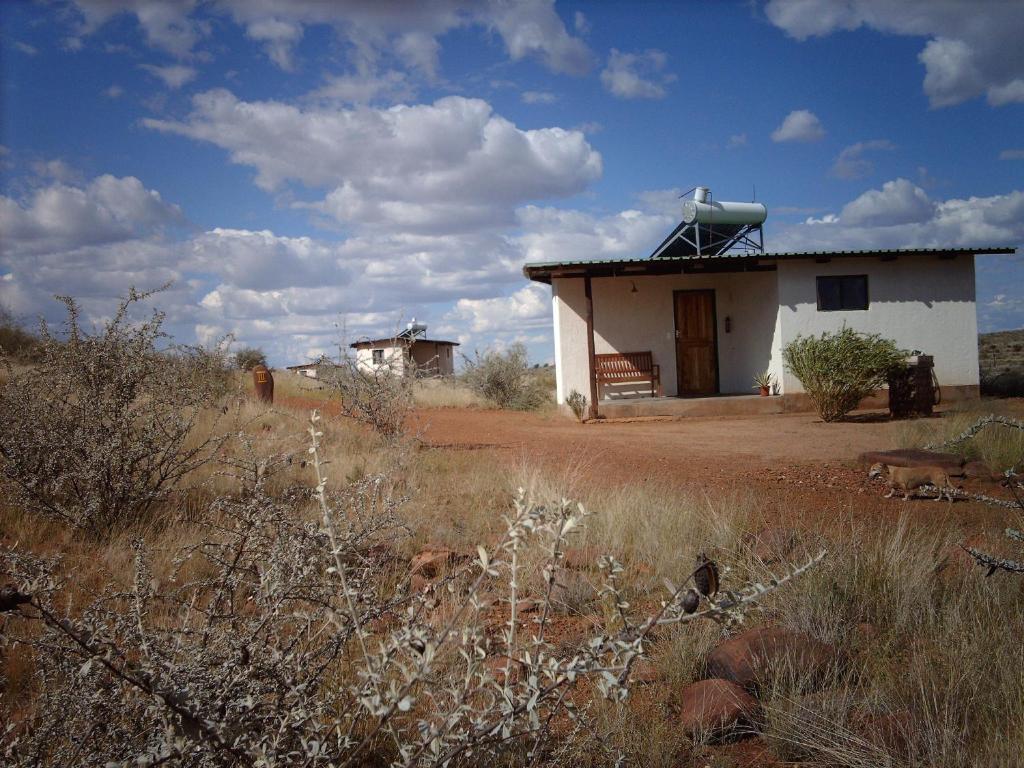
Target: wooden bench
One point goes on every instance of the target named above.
(621, 367)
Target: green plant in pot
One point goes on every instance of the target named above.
(763, 382)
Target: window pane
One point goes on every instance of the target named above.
(849, 292)
(829, 294)
(855, 292)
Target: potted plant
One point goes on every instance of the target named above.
(763, 382)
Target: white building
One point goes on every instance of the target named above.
(712, 318)
(429, 357)
(310, 370)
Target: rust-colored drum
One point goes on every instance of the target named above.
(263, 381)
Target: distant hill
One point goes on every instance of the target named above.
(1001, 359)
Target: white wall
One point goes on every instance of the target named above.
(921, 302)
(569, 310)
(631, 322)
(395, 356)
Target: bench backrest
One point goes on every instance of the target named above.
(622, 364)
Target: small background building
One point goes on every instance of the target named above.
(714, 310)
(409, 349)
(309, 370)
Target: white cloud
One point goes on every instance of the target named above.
(114, 92)
(390, 86)
(373, 30)
(799, 125)
(533, 28)
(167, 25)
(28, 50)
(284, 293)
(1009, 93)
(972, 49)
(581, 24)
(901, 215)
(897, 202)
(61, 216)
(737, 140)
(529, 307)
(636, 75)
(1012, 154)
(57, 170)
(553, 234)
(429, 167)
(173, 75)
(538, 97)
(291, 295)
(851, 162)
(278, 37)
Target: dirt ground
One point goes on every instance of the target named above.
(801, 466)
(805, 470)
(681, 448)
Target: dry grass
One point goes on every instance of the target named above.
(945, 661)
(446, 393)
(997, 446)
(931, 647)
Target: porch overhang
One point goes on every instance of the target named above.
(545, 271)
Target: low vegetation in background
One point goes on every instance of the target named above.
(16, 342)
(248, 358)
(446, 392)
(505, 379)
(838, 370)
(1001, 359)
(1001, 449)
(103, 425)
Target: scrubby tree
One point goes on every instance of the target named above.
(15, 341)
(102, 426)
(248, 358)
(505, 378)
(838, 370)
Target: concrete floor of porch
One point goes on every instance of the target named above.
(714, 405)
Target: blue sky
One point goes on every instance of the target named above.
(307, 171)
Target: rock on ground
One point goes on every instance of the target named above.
(717, 709)
(757, 656)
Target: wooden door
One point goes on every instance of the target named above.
(696, 343)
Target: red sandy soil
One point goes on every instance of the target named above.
(803, 468)
(795, 462)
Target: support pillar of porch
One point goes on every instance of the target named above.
(591, 373)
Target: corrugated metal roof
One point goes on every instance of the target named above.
(767, 255)
(395, 340)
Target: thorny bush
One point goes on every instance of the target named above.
(990, 562)
(505, 379)
(102, 426)
(284, 643)
(380, 396)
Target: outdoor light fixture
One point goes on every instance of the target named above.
(728, 324)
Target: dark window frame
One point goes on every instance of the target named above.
(377, 356)
(844, 306)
